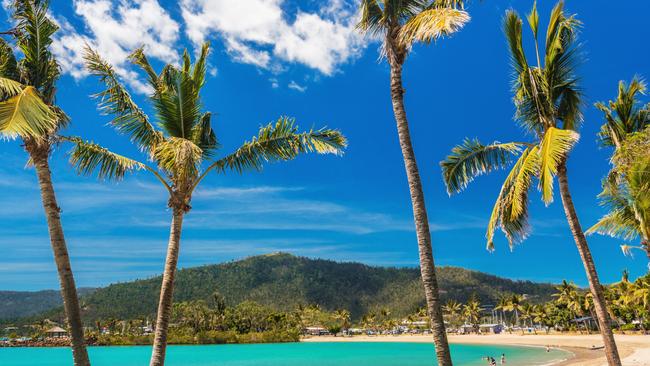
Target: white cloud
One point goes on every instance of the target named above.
(295, 86)
(257, 30)
(115, 30)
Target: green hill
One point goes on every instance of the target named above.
(19, 304)
(284, 281)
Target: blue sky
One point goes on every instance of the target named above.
(303, 59)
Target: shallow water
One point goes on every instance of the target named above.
(284, 354)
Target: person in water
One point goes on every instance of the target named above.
(503, 358)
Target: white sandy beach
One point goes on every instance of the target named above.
(634, 349)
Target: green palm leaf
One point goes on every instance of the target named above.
(8, 64)
(281, 141)
(116, 100)
(372, 18)
(618, 224)
(553, 150)
(26, 115)
(472, 159)
(88, 157)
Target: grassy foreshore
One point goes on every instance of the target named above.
(586, 349)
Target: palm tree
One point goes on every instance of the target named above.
(542, 316)
(401, 24)
(626, 190)
(514, 304)
(179, 144)
(28, 112)
(343, 317)
(453, 310)
(527, 315)
(472, 313)
(548, 101)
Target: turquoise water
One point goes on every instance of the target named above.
(284, 354)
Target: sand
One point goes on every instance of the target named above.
(634, 349)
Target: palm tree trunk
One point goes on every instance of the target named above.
(167, 290)
(427, 266)
(611, 350)
(39, 155)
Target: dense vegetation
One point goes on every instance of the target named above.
(283, 282)
(19, 304)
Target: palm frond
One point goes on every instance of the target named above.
(431, 24)
(204, 137)
(179, 157)
(88, 157)
(200, 66)
(472, 159)
(533, 19)
(281, 141)
(514, 226)
(34, 37)
(139, 58)
(554, 148)
(512, 27)
(372, 20)
(26, 115)
(625, 115)
(8, 63)
(178, 105)
(528, 169)
(9, 88)
(618, 224)
(116, 100)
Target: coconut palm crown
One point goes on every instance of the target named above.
(404, 23)
(626, 189)
(27, 85)
(182, 140)
(548, 101)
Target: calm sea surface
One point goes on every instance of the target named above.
(285, 354)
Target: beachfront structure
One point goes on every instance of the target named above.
(316, 331)
(56, 332)
(491, 328)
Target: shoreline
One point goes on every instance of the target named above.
(633, 349)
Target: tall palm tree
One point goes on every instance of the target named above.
(548, 101)
(179, 144)
(401, 24)
(626, 190)
(28, 112)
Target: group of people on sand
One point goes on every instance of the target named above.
(492, 362)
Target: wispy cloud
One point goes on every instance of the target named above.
(295, 86)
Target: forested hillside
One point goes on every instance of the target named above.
(18, 304)
(284, 281)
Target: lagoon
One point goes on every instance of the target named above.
(284, 354)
